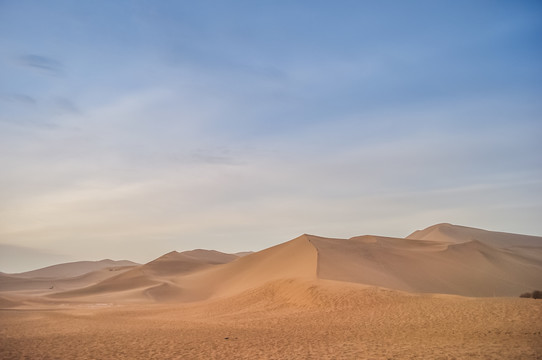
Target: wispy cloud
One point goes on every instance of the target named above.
(44, 64)
(215, 156)
(187, 127)
(65, 105)
(22, 99)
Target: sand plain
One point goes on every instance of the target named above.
(286, 319)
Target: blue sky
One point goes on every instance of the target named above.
(132, 128)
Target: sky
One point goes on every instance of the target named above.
(129, 129)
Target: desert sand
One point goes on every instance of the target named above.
(445, 292)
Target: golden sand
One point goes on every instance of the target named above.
(283, 320)
(446, 292)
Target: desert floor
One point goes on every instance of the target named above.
(308, 323)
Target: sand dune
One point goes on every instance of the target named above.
(44, 285)
(444, 258)
(152, 281)
(72, 269)
(181, 277)
(188, 261)
(6, 303)
(294, 259)
(201, 274)
(243, 253)
(458, 234)
(308, 298)
(471, 269)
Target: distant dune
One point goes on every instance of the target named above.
(471, 268)
(458, 234)
(72, 269)
(47, 285)
(442, 259)
(155, 281)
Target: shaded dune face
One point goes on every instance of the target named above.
(459, 234)
(72, 269)
(294, 259)
(188, 277)
(175, 263)
(472, 268)
(46, 285)
(154, 281)
(444, 258)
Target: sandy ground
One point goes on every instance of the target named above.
(308, 298)
(283, 320)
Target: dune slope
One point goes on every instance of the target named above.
(458, 234)
(283, 319)
(45, 285)
(293, 259)
(72, 269)
(444, 258)
(471, 268)
(153, 281)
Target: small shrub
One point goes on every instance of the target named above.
(537, 294)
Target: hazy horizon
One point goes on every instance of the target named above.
(131, 129)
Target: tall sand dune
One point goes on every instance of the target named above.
(471, 268)
(444, 258)
(308, 298)
(154, 280)
(194, 276)
(294, 259)
(458, 234)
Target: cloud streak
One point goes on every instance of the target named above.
(225, 130)
(19, 98)
(43, 64)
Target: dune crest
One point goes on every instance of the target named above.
(442, 259)
(153, 281)
(296, 258)
(72, 269)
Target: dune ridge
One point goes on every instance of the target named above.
(48, 284)
(457, 234)
(442, 259)
(471, 268)
(154, 280)
(293, 259)
(72, 269)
